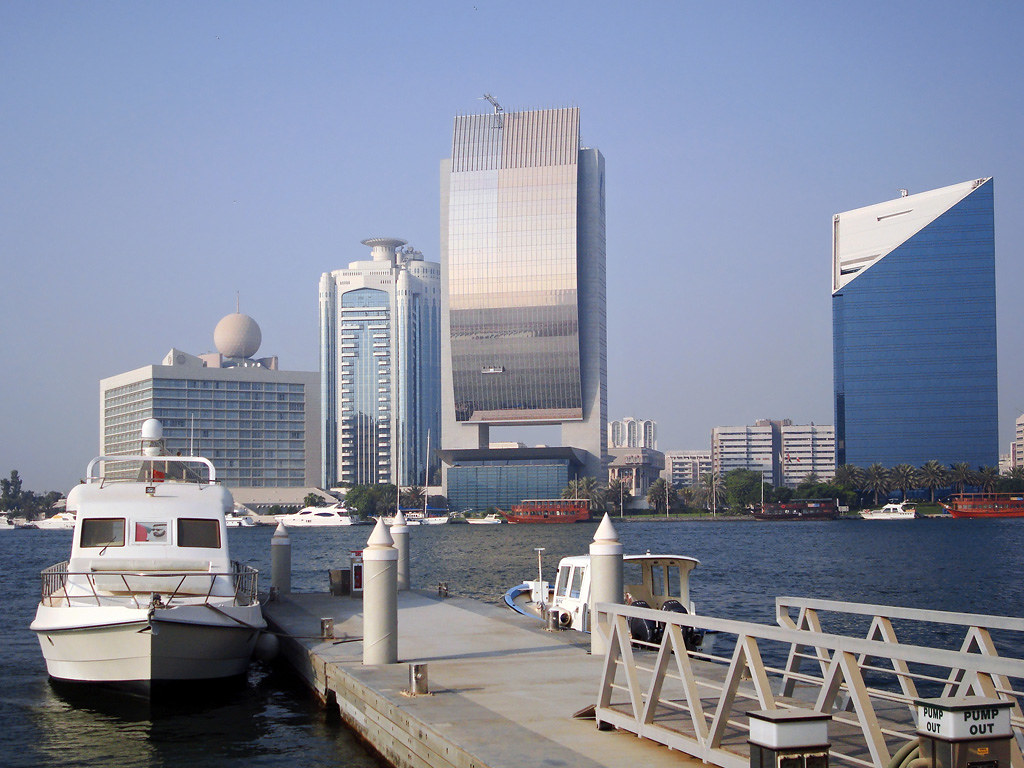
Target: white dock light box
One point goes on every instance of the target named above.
(788, 738)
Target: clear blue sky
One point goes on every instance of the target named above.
(155, 158)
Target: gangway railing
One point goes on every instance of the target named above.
(697, 701)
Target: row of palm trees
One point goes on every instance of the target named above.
(931, 476)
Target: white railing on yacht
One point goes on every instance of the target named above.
(697, 701)
(64, 588)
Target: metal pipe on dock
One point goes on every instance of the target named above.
(281, 561)
(380, 597)
(605, 579)
(400, 535)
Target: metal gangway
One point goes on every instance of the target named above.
(697, 701)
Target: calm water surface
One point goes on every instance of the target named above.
(962, 565)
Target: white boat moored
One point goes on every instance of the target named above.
(890, 512)
(150, 594)
(62, 521)
(320, 517)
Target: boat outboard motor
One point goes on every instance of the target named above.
(693, 638)
(644, 630)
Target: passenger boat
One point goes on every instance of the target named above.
(890, 512)
(798, 509)
(986, 505)
(650, 581)
(150, 595)
(491, 519)
(62, 521)
(550, 511)
(321, 517)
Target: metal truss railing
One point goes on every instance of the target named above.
(697, 701)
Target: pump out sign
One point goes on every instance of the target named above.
(963, 718)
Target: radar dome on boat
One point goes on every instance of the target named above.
(237, 335)
(152, 429)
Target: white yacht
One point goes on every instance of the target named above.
(62, 521)
(890, 512)
(6, 524)
(490, 519)
(150, 594)
(320, 517)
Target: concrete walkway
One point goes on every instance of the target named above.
(503, 691)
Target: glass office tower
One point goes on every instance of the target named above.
(914, 329)
(523, 264)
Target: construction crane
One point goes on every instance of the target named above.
(499, 113)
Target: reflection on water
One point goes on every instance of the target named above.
(959, 565)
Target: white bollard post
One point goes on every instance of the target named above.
(605, 580)
(281, 561)
(380, 597)
(400, 534)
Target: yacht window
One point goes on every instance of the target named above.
(577, 582)
(657, 580)
(198, 533)
(562, 585)
(325, 514)
(102, 532)
(674, 586)
(631, 573)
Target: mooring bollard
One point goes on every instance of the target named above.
(605, 579)
(380, 597)
(281, 561)
(400, 535)
(418, 679)
(327, 628)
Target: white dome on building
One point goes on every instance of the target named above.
(237, 335)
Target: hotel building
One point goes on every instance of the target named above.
(914, 329)
(632, 433)
(380, 366)
(256, 423)
(523, 334)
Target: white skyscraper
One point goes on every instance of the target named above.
(379, 366)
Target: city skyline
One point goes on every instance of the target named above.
(184, 154)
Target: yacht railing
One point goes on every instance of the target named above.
(64, 588)
(697, 701)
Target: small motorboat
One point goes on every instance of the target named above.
(491, 519)
(320, 517)
(6, 524)
(890, 512)
(235, 520)
(62, 521)
(150, 595)
(661, 582)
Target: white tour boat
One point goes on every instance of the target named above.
(890, 512)
(62, 521)
(150, 594)
(320, 517)
(661, 582)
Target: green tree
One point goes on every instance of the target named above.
(11, 495)
(585, 488)
(313, 500)
(961, 475)
(656, 495)
(903, 477)
(413, 497)
(713, 488)
(849, 476)
(987, 478)
(876, 480)
(932, 475)
(743, 488)
(618, 495)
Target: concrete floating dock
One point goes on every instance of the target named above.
(502, 690)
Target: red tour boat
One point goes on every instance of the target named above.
(986, 505)
(550, 511)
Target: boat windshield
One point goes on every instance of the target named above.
(198, 533)
(562, 584)
(577, 582)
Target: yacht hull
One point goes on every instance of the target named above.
(125, 646)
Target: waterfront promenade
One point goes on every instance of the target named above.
(503, 690)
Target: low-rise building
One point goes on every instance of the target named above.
(686, 468)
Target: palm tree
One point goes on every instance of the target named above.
(962, 475)
(1014, 473)
(876, 480)
(413, 497)
(903, 477)
(713, 487)
(618, 495)
(849, 476)
(585, 488)
(987, 477)
(656, 494)
(932, 475)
